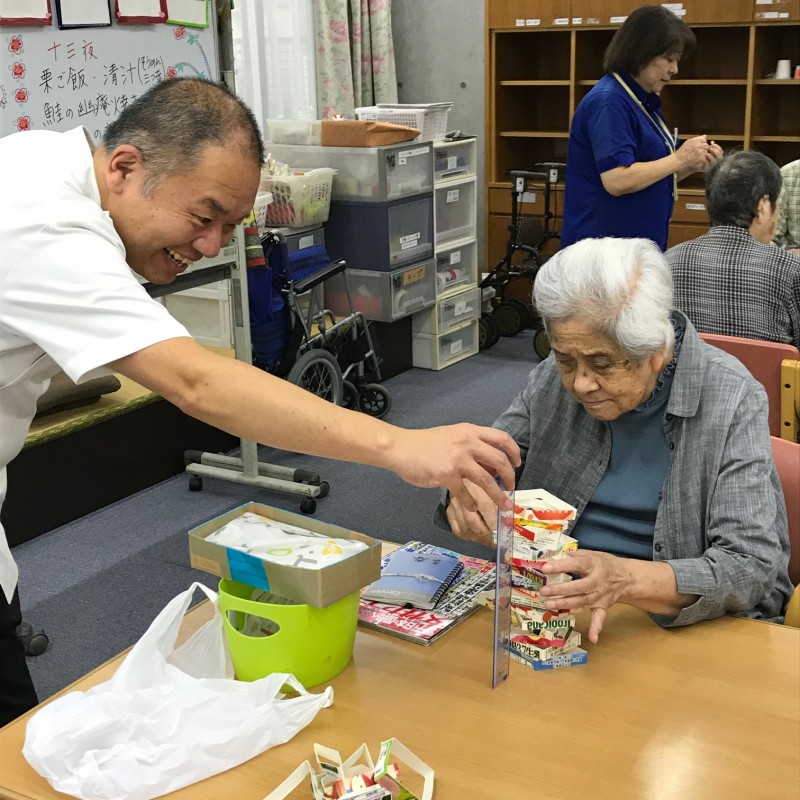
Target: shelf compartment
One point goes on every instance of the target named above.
(781, 151)
(714, 110)
(542, 56)
(721, 53)
(532, 108)
(777, 11)
(774, 42)
(776, 111)
(589, 48)
(514, 152)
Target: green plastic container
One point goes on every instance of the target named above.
(314, 644)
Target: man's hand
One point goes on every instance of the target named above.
(476, 525)
(605, 580)
(447, 456)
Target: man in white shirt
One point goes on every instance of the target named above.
(175, 174)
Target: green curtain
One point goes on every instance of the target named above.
(354, 55)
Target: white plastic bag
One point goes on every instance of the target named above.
(166, 719)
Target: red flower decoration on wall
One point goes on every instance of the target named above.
(21, 95)
(18, 70)
(15, 44)
(23, 123)
(180, 32)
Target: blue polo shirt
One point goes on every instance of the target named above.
(610, 130)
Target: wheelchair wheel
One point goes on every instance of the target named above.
(524, 310)
(488, 335)
(508, 317)
(318, 372)
(374, 400)
(541, 344)
(349, 395)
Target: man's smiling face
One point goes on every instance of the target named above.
(183, 217)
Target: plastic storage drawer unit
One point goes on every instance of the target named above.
(381, 236)
(455, 210)
(383, 296)
(453, 160)
(452, 312)
(366, 174)
(456, 267)
(438, 352)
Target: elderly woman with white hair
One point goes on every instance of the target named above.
(659, 440)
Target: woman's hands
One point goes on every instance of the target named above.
(604, 580)
(697, 154)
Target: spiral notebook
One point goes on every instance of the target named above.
(414, 579)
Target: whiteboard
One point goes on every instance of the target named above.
(56, 80)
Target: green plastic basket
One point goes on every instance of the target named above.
(314, 644)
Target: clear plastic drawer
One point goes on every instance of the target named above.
(456, 267)
(454, 160)
(455, 210)
(366, 174)
(383, 296)
(438, 352)
(451, 312)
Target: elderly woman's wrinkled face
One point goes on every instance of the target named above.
(596, 372)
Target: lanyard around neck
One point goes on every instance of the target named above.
(658, 123)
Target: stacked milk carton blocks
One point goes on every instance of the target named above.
(541, 638)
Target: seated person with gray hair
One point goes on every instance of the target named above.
(731, 280)
(659, 440)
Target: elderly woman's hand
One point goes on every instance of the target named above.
(693, 154)
(604, 580)
(474, 526)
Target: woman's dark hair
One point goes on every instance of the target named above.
(648, 33)
(736, 184)
(178, 118)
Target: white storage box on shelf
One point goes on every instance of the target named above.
(451, 312)
(456, 267)
(429, 118)
(438, 352)
(300, 199)
(366, 174)
(383, 296)
(454, 211)
(455, 160)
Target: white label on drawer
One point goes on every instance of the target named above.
(617, 20)
(764, 2)
(412, 237)
(673, 6)
(695, 207)
(417, 151)
(561, 21)
(532, 23)
(452, 162)
(461, 308)
(529, 197)
(520, 23)
(455, 258)
(305, 241)
(401, 160)
(783, 15)
(577, 20)
(456, 347)
(679, 12)
(409, 245)
(453, 195)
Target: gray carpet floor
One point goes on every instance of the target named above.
(95, 584)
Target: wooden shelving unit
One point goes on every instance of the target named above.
(543, 56)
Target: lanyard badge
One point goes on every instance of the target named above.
(659, 125)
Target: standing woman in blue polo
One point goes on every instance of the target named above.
(623, 162)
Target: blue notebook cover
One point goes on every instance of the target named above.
(415, 579)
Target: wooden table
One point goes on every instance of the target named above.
(710, 711)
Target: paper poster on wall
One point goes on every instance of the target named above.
(25, 12)
(193, 13)
(52, 79)
(82, 13)
(140, 12)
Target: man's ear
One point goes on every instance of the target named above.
(125, 166)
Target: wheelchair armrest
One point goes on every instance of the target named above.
(319, 277)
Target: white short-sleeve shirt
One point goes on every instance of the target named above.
(68, 299)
